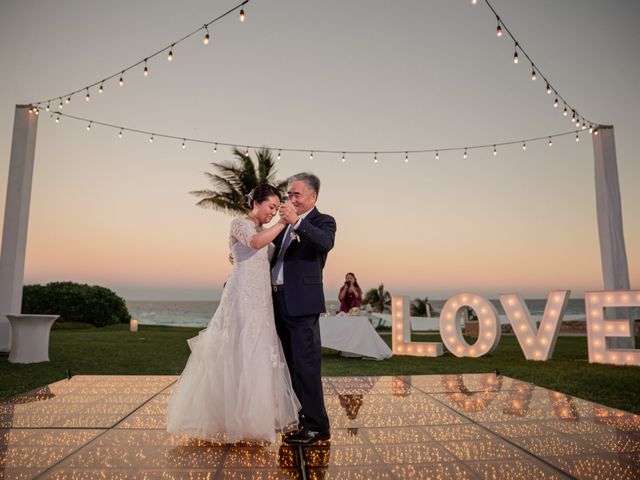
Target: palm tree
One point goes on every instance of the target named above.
(380, 299)
(421, 308)
(235, 178)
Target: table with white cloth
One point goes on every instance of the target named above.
(353, 336)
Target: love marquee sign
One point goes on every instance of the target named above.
(537, 343)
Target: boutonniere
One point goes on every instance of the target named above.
(295, 236)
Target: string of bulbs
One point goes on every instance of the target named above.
(579, 120)
(66, 98)
(280, 150)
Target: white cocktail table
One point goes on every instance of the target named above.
(30, 337)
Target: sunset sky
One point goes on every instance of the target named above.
(335, 75)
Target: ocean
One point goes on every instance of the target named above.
(198, 313)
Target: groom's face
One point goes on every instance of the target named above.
(301, 196)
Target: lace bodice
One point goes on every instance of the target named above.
(245, 257)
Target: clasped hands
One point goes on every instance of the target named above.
(288, 214)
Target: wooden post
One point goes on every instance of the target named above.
(615, 271)
(16, 218)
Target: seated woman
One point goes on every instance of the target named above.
(350, 295)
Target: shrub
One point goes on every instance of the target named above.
(76, 302)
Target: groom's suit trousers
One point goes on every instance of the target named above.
(300, 338)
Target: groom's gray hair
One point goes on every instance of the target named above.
(310, 179)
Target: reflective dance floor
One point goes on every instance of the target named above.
(479, 426)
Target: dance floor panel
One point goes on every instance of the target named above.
(475, 426)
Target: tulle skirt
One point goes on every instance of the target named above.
(236, 384)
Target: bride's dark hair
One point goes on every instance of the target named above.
(259, 194)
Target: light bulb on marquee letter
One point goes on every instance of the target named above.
(598, 327)
(536, 344)
(489, 330)
(401, 332)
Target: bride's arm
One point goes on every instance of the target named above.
(266, 236)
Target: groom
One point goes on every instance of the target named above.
(298, 299)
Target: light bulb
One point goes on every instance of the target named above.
(242, 14)
(549, 89)
(279, 154)
(595, 131)
(184, 145)
(343, 159)
(60, 105)
(465, 153)
(406, 157)
(437, 155)
(151, 139)
(584, 124)
(555, 102)
(311, 156)
(577, 138)
(590, 128)
(101, 88)
(121, 79)
(120, 134)
(146, 69)
(375, 157)
(87, 97)
(473, 2)
(495, 152)
(533, 73)
(36, 110)
(48, 107)
(524, 146)
(205, 40)
(550, 142)
(68, 100)
(499, 30)
(246, 153)
(515, 56)
(89, 126)
(57, 118)
(170, 54)
(215, 148)
(564, 112)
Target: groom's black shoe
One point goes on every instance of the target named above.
(306, 437)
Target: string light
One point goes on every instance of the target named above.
(205, 40)
(170, 54)
(101, 88)
(533, 72)
(550, 142)
(146, 69)
(555, 102)
(549, 90)
(515, 55)
(495, 151)
(565, 112)
(242, 14)
(48, 106)
(343, 158)
(121, 81)
(499, 28)
(87, 97)
(68, 100)
(60, 106)
(466, 150)
(577, 137)
(89, 126)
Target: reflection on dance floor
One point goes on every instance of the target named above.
(430, 426)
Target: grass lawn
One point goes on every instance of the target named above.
(163, 350)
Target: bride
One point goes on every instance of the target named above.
(236, 384)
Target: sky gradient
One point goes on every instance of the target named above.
(357, 75)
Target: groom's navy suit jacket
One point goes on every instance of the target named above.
(303, 263)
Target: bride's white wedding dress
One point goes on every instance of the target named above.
(236, 385)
